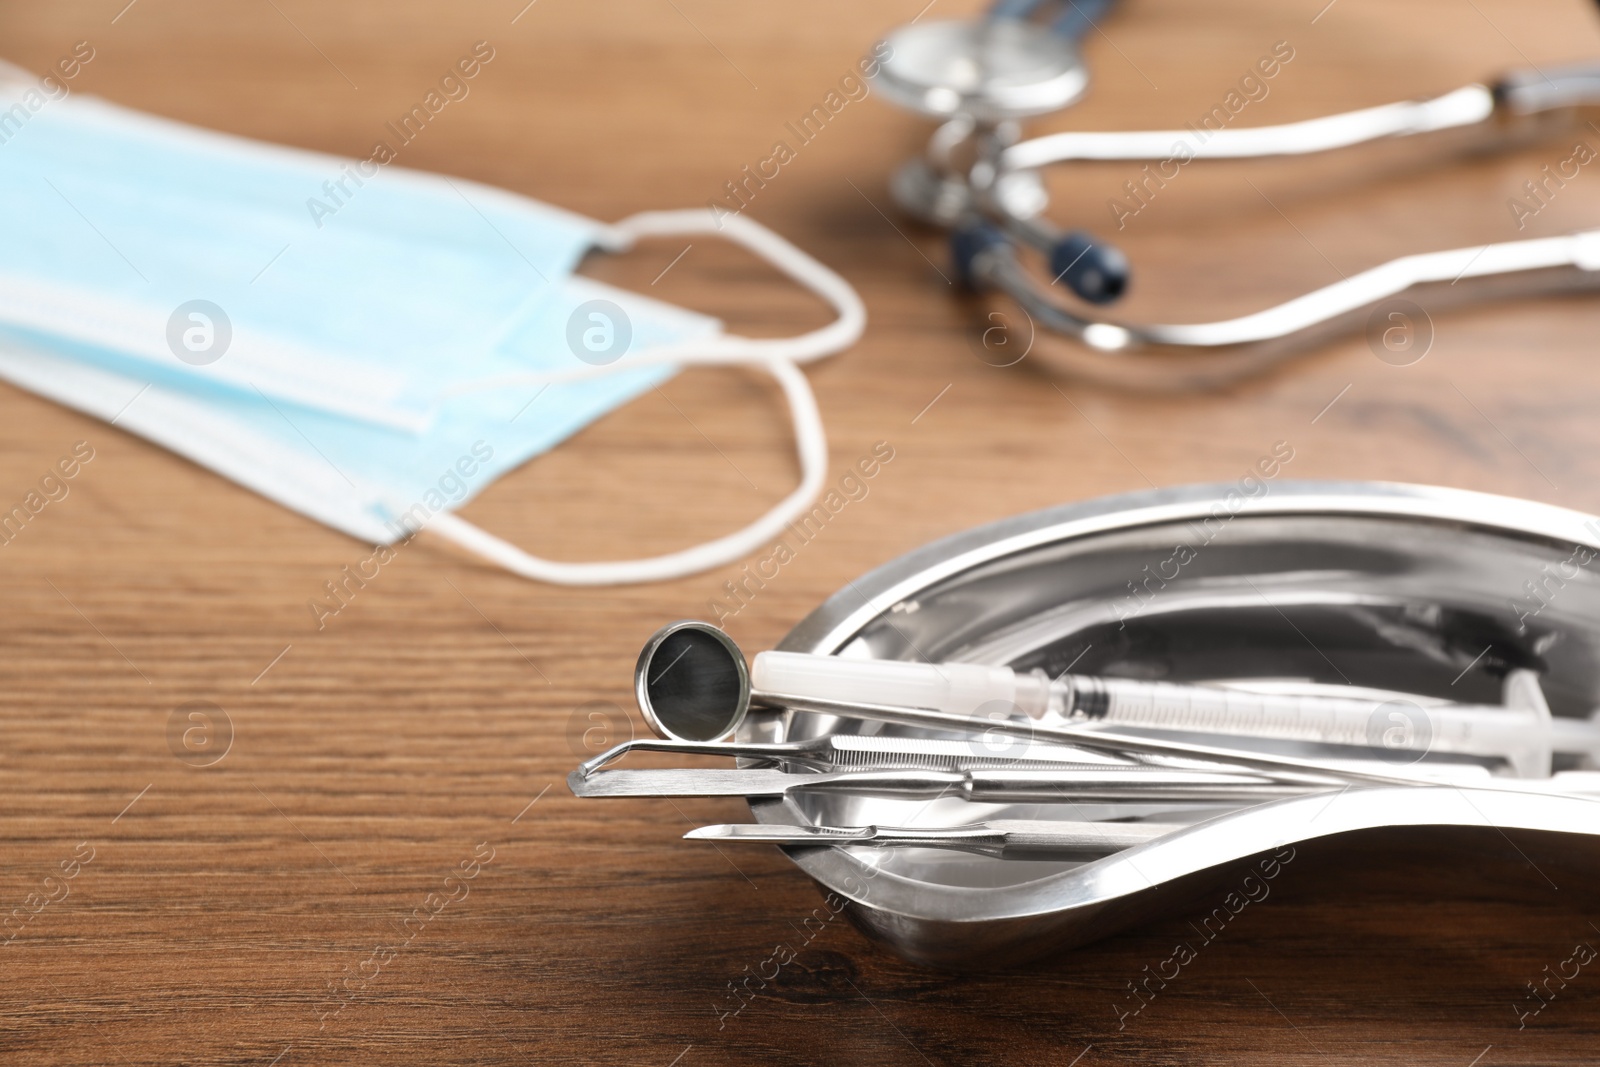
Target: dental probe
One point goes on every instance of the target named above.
(1069, 784)
(841, 752)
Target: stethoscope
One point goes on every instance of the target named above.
(980, 180)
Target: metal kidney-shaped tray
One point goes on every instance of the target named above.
(1402, 588)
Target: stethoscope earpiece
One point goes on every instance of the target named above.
(994, 69)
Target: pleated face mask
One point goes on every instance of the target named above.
(373, 366)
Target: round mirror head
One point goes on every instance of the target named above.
(991, 69)
(692, 683)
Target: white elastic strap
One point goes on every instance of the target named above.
(774, 355)
(10, 72)
(729, 349)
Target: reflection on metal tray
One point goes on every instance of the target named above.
(1392, 587)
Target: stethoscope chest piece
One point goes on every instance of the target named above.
(975, 75)
(992, 70)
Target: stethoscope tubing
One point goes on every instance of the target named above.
(987, 242)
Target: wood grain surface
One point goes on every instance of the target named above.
(261, 909)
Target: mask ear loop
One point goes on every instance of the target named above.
(10, 72)
(775, 355)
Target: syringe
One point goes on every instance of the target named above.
(1523, 733)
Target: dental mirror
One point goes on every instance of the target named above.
(692, 683)
(990, 69)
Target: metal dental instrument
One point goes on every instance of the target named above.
(1071, 783)
(838, 752)
(1003, 839)
(978, 179)
(1281, 768)
(692, 684)
(1039, 839)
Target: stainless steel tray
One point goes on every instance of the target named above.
(1389, 586)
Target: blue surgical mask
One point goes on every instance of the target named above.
(373, 369)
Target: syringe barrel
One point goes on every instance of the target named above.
(958, 688)
(1390, 724)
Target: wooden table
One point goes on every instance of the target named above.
(289, 903)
